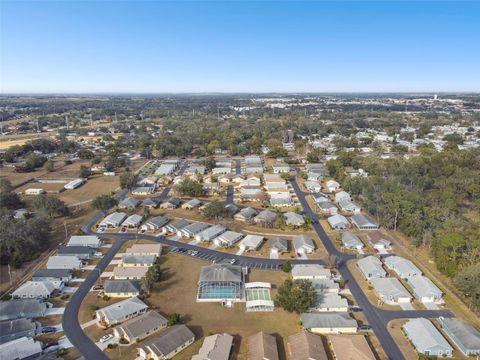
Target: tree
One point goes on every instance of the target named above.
(285, 176)
(84, 172)
(296, 296)
(188, 187)
(104, 202)
(49, 166)
(287, 266)
(153, 275)
(8, 198)
(173, 318)
(215, 210)
(85, 154)
(50, 206)
(468, 281)
(277, 152)
(127, 180)
(209, 163)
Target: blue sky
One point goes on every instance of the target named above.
(239, 46)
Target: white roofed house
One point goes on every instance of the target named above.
(351, 241)
(338, 222)
(280, 168)
(81, 252)
(463, 335)
(294, 219)
(74, 184)
(133, 221)
(21, 348)
(145, 249)
(329, 302)
(402, 267)
(210, 233)
(155, 223)
(342, 195)
(390, 290)
(175, 226)
(150, 203)
(364, 222)
(325, 285)
(85, 240)
(303, 244)
(142, 326)
(120, 311)
(143, 190)
(251, 242)
(192, 204)
(251, 193)
(327, 208)
(36, 290)
(313, 186)
(371, 267)
(329, 322)
(113, 220)
(122, 288)
(64, 262)
(280, 199)
(250, 181)
(215, 347)
(265, 218)
(310, 272)
(426, 338)
(228, 238)
(171, 203)
(278, 245)
(332, 185)
(424, 289)
(348, 206)
(222, 170)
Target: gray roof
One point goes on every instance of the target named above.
(83, 250)
(174, 201)
(12, 327)
(327, 320)
(52, 273)
(294, 219)
(351, 240)
(221, 272)
(278, 243)
(179, 224)
(158, 221)
(21, 348)
(151, 202)
(122, 286)
(363, 220)
(303, 240)
(338, 219)
(464, 334)
(401, 266)
(129, 202)
(247, 213)
(138, 326)
(193, 203)
(169, 340)
(389, 287)
(330, 300)
(195, 228)
(65, 261)
(423, 286)
(122, 309)
(266, 215)
(371, 265)
(324, 284)
(85, 240)
(424, 335)
(14, 309)
(138, 259)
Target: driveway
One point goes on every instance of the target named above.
(430, 306)
(55, 311)
(107, 274)
(406, 306)
(69, 289)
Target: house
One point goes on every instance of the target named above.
(165, 169)
(167, 343)
(342, 195)
(129, 272)
(254, 169)
(171, 203)
(371, 267)
(250, 181)
(85, 240)
(329, 322)
(250, 242)
(313, 186)
(133, 221)
(231, 209)
(121, 311)
(280, 199)
(350, 347)
(56, 276)
(378, 241)
(138, 260)
(113, 220)
(403, 268)
(262, 346)
(251, 193)
(150, 203)
(122, 288)
(22, 308)
(211, 188)
(364, 222)
(327, 208)
(145, 249)
(215, 347)
(351, 241)
(221, 170)
(332, 186)
(21, 348)
(426, 339)
(265, 217)
(175, 226)
(318, 168)
(74, 184)
(303, 244)
(192, 204)
(338, 222)
(81, 252)
(155, 223)
(129, 203)
(424, 289)
(34, 191)
(140, 327)
(17, 328)
(278, 245)
(325, 285)
(280, 168)
(228, 238)
(294, 219)
(306, 346)
(221, 282)
(193, 229)
(463, 335)
(245, 214)
(64, 262)
(210, 233)
(390, 290)
(329, 302)
(310, 272)
(36, 290)
(143, 190)
(348, 206)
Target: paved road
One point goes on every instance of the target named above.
(230, 193)
(238, 166)
(377, 318)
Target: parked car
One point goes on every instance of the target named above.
(48, 329)
(101, 229)
(364, 327)
(98, 287)
(105, 338)
(49, 344)
(124, 228)
(233, 261)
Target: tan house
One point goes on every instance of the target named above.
(350, 347)
(306, 346)
(140, 327)
(145, 249)
(262, 346)
(129, 273)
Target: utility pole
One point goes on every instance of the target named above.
(66, 231)
(10, 274)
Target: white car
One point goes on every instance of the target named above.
(233, 261)
(101, 229)
(105, 338)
